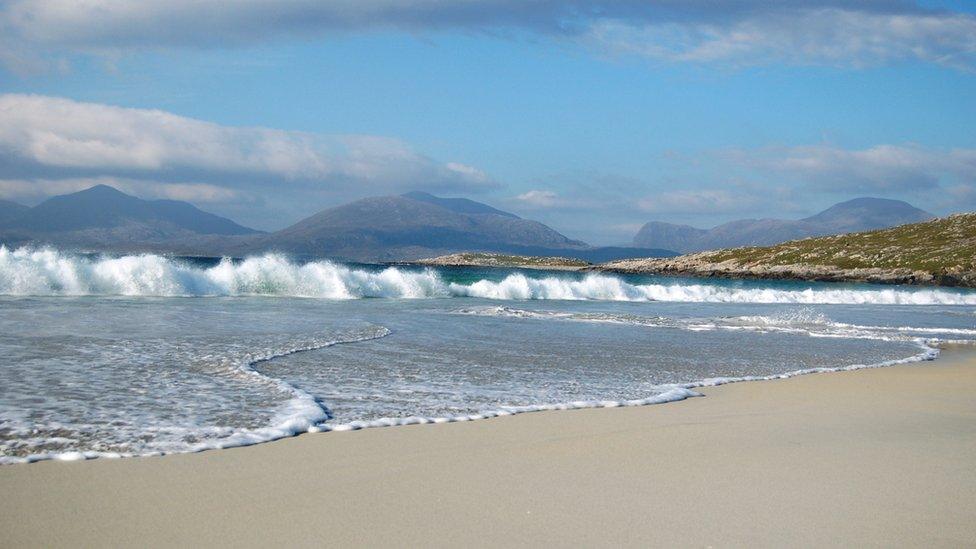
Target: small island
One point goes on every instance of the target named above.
(484, 259)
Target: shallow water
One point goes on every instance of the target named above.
(143, 354)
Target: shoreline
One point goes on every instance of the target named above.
(879, 455)
(787, 273)
(566, 268)
(675, 393)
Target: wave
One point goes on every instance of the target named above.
(47, 272)
(668, 393)
(608, 288)
(299, 414)
(802, 321)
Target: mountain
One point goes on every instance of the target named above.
(938, 252)
(859, 214)
(384, 228)
(10, 210)
(866, 214)
(678, 237)
(412, 226)
(102, 217)
(459, 205)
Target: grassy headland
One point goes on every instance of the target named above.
(939, 252)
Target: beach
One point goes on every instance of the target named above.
(874, 457)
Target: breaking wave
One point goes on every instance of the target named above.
(47, 272)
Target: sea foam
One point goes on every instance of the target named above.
(47, 272)
(301, 413)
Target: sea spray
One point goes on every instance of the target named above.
(47, 272)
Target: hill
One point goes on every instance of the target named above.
(941, 251)
(385, 228)
(859, 214)
(105, 218)
(459, 205)
(10, 210)
(420, 225)
(413, 226)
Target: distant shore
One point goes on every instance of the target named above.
(938, 252)
(880, 457)
(694, 266)
(698, 266)
(504, 261)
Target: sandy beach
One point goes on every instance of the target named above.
(881, 457)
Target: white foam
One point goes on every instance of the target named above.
(607, 288)
(803, 321)
(669, 393)
(47, 272)
(302, 413)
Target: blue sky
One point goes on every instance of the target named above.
(594, 117)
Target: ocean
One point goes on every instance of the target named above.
(109, 356)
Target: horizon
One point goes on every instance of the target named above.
(407, 195)
(603, 116)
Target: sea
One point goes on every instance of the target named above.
(137, 355)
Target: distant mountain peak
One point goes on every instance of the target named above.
(105, 208)
(101, 188)
(414, 225)
(869, 211)
(458, 205)
(858, 214)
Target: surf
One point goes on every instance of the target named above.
(48, 272)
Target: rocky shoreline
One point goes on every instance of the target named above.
(939, 252)
(697, 267)
(504, 261)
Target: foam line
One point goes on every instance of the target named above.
(302, 413)
(670, 393)
(47, 272)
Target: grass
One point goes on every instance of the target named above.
(938, 246)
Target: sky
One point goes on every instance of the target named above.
(591, 116)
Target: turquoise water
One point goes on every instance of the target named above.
(143, 355)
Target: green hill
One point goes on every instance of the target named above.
(940, 251)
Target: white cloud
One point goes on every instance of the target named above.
(699, 201)
(538, 199)
(743, 32)
(51, 146)
(806, 36)
(72, 137)
(882, 168)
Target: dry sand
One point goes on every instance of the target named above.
(866, 458)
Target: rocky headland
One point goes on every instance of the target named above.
(937, 252)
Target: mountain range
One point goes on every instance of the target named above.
(386, 228)
(859, 214)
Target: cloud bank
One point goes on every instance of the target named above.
(737, 32)
(49, 144)
(880, 169)
(707, 188)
